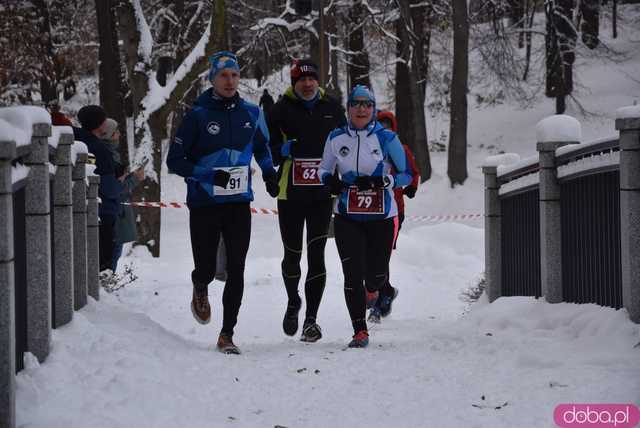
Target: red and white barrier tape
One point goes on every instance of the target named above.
(444, 218)
(270, 211)
(183, 205)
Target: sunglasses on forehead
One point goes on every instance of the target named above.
(361, 103)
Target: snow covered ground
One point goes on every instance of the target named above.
(137, 357)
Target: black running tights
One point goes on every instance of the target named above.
(206, 224)
(365, 250)
(292, 216)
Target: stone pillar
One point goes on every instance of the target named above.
(79, 232)
(630, 214)
(63, 234)
(93, 246)
(492, 233)
(38, 237)
(7, 291)
(550, 222)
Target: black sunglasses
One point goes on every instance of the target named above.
(361, 103)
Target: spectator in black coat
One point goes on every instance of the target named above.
(93, 119)
(266, 101)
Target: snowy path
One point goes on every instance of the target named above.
(137, 358)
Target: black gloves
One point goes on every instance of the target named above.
(410, 191)
(221, 178)
(366, 182)
(271, 182)
(336, 185)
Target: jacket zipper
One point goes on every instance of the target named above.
(358, 155)
(230, 128)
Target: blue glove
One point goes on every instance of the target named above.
(285, 150)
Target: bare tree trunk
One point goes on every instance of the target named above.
(48, 78)
(516, 17)
(137, 68)
(531, 10)
(410, 81)
(165, 57)
(111, 77)
(560, 40)
(590, 26)
(614, 19)
(316, 46)
(358, 68)
(334, 82)
(457, 159)
(152, 125)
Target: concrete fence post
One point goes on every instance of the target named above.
(550, 222)
(492, 233)
(7, 290)
(38, 237)
(79, 232)
(93, 245)
(63, 234)
(628, 123)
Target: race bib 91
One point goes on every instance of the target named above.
(238, 181)
(365, 202)
(305, 172)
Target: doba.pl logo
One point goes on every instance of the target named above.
(596, 415)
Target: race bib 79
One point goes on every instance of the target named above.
(365, 202)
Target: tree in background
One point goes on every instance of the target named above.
(457, 159)
(44, 49)
(590, 17)
(560, 44)
(153, 103)
(20, 69)
(413, 35)
(111, 74)
(358, 64)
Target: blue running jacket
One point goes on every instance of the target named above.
(220, 134)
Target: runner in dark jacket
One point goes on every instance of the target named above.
(299, 124)
(212, 150)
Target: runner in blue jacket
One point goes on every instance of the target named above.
(363, 153)
(212, 150)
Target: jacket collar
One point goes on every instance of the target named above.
(371, 128)
(212, 101)
(291, 95)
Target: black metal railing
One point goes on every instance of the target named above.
(591, 271)
(590, 224)
(521, 244)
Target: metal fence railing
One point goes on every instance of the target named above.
(563, 225)
(520, 249)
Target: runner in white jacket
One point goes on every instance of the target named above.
(356, 164)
